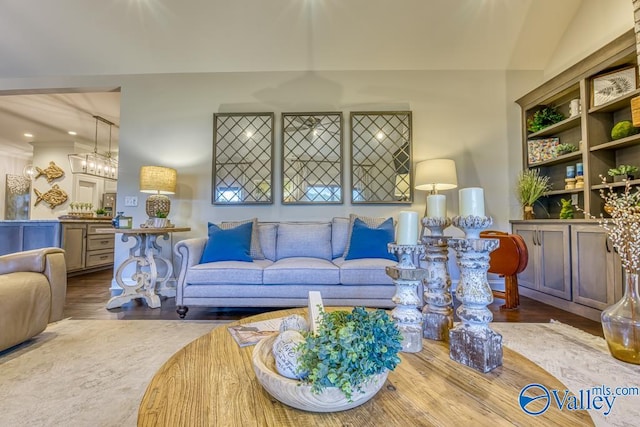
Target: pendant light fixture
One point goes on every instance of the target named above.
(96, 164)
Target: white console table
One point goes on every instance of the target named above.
(144, 254)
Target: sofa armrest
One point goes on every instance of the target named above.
(47, 261)
(189, 251)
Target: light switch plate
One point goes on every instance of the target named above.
(131, 201)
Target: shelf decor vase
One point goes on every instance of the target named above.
(528, 212)
(621, 323)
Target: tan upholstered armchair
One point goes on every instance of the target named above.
(33, 287)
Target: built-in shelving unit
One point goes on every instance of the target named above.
(589, 131)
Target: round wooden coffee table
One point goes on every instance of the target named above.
(210, 382)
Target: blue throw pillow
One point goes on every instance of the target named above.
(371, 242)
(228, 245)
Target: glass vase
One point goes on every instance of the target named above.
(621, 323)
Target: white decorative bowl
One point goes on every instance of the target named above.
(293, 393)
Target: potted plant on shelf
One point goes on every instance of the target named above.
(623, 172)
(565, 149)
(529, 188)
(544, 117)
(101, 212)
(160, 220)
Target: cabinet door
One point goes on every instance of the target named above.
(593, 266)
(73, 242)
(555, 260)
(527, 278)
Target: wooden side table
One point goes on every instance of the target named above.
(144, 254)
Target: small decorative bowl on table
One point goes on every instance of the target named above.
(293, 393)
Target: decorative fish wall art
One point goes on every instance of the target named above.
(54, 197)
(51, 172)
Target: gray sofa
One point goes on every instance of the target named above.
(298, 257)
(33, 287)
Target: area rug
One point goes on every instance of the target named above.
(94, 372)
(582, 362)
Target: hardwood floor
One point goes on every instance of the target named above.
(88, 294)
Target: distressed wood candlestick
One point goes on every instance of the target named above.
(407, 277)
(472, 342)
(438, 310)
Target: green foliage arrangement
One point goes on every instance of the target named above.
(348, 349)
(623, 170)
(565, 149)
(531, 186)
(161, 214)
(546, 116)
(101, 212)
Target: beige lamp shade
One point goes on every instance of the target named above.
(160, 181)
(436, 174)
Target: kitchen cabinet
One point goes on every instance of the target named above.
(86, 250)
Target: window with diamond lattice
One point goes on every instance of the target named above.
(242, 158)
(311, 158)
(381, 157)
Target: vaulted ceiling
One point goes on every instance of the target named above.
(78, 37)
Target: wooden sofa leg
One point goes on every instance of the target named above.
(182, 311)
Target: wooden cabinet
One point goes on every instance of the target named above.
(596, 268)
(589, 131)
(572, 265)
(548, 269)
(73, 242)
(87, 250)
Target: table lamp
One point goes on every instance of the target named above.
(159, 181)
(436, 174)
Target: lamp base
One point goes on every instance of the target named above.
(158, 203)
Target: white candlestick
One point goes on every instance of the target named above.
(407, 228)
(471, 201)
(436, 206)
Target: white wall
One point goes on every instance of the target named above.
(167, 120)
(596, 23)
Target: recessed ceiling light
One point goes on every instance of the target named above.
(28, 135)
(72, 132)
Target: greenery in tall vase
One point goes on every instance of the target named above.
(621, 321)
(529, 188)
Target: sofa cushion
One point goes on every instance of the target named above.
(255, 250)
(366, 271)
(370, 221)
(370, 242)
(301, 271)
(227, 273)
(304, 240)
(339, 235)
(228, 245)
(267, 233)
